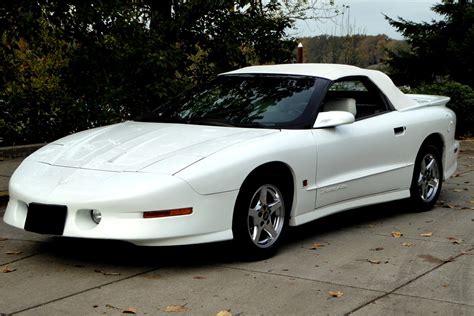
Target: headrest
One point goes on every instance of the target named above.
(342, 104)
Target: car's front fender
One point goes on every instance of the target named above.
(227, 169)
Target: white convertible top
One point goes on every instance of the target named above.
(334, 72)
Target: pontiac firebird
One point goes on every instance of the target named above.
(242, 158)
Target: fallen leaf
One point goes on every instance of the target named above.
(106, 272)
(397, 234)
(455, 240)
(113, 307)
(130, 310)
(408, 244)
(13, 252)
(373, 261)
(471, 201)
(377, 249)
(199, 277)
(445, 285)
(224, 313)
(7, 269)
(432, 259)
(110, 273)
(175, 308)
(427, 234)
(317, 245)
(336, 293)
(458, 190)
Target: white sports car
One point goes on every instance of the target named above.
(254, 151)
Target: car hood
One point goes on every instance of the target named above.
(141, 146)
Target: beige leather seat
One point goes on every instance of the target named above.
(342, 104)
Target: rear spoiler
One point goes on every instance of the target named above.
(424, 100)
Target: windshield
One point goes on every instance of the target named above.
(260, 101)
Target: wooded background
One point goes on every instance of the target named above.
(68, 65)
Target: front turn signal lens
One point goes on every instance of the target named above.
(168, 213)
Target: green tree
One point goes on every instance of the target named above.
(439, 49)
(32, 92)
(462, 102)
(68, 65)
(359, 50)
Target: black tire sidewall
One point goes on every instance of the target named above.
(415, 198)
(247, 249)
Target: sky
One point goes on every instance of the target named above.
(366, 17)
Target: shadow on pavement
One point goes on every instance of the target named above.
(350, 219)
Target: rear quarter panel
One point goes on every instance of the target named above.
(420, 123)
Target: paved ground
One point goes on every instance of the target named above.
(6, 169)
(353, 253)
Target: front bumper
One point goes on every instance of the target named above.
(121, 197)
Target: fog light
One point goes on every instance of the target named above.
(96, 216)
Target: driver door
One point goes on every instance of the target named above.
(361, 159)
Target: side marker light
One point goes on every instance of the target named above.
(168, 213)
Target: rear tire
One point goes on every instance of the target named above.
(260, 218)
(427, 178)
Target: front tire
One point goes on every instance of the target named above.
(427, 178)
(260, 218)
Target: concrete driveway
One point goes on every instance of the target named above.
(350, 263)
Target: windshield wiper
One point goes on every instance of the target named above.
(155, 117)
(256, 124)
(213, 122)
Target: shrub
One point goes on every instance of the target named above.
(462, 103)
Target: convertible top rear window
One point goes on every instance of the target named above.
(272, 101)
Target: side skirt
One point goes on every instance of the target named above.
(347, 205)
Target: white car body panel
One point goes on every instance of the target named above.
(348, 177)
(122, 197)
(133, 146)
(129, 168)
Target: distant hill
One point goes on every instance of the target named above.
(367, 51)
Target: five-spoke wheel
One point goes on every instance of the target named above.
(260, 217)
(266, 216)
(427, 178)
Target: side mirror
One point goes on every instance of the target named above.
(333, 119)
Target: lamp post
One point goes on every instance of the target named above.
(299, 53)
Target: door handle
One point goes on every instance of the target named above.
(399, 130)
